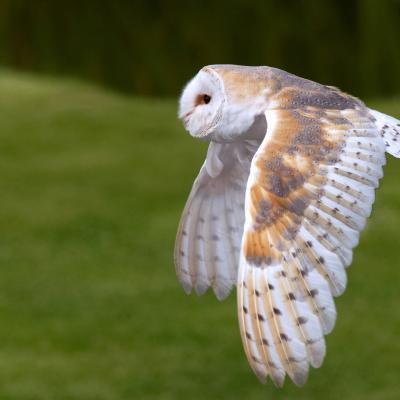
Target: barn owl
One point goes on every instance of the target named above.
(285, 190)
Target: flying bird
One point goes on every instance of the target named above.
(278, 205)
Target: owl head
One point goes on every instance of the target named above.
(223, 103)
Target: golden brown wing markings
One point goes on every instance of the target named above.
(299, 144)
(302, 219)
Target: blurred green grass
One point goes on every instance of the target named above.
(92, 186)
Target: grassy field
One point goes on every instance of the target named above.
(92, 186)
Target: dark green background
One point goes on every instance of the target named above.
(152, 47)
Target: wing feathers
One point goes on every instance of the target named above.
(310, 190)
(209, 235)
(389, 128)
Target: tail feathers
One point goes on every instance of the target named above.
(390, 131)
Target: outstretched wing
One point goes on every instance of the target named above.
(310, 190)
(208, 241)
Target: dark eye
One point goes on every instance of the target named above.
(206, 98)
(202, 99)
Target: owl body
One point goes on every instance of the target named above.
(279, 203)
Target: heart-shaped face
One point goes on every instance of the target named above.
(220, 105)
